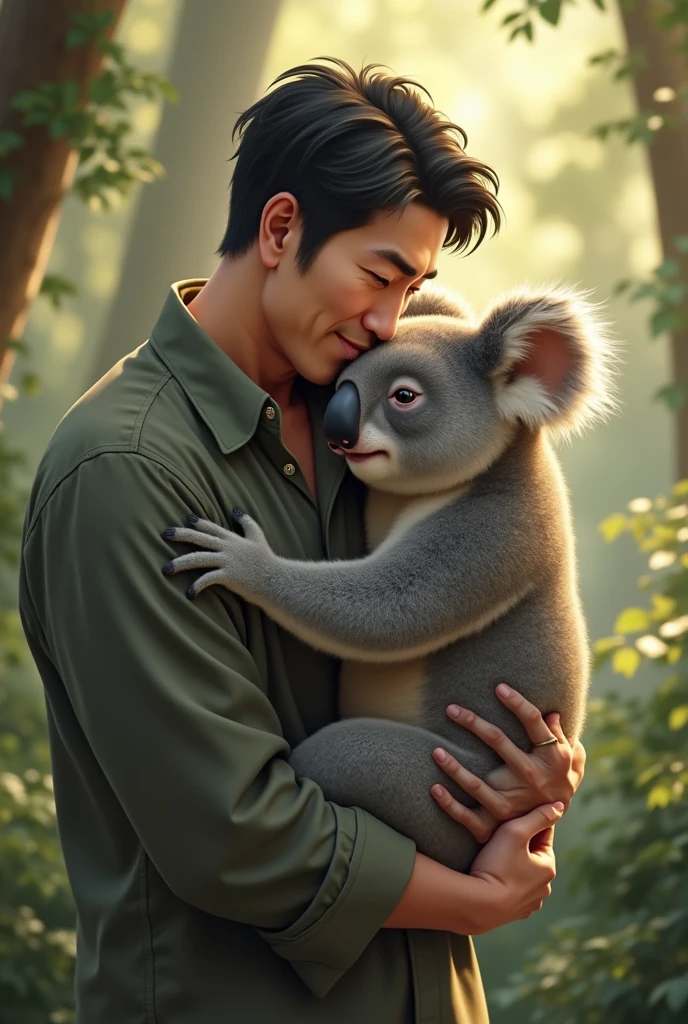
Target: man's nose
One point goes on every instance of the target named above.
(383, 319)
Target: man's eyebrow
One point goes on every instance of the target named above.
(392, 256)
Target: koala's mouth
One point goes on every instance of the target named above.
(354, 456)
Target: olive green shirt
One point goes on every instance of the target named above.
(211, 885)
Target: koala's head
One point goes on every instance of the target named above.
(439, 403)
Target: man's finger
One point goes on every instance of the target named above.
(479, 824)
(540, 820)
(493, 736)
(542, 842)
(487, 797)
(529, 716)
(553, 722)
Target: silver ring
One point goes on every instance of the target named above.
(546, 743)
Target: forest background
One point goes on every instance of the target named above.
(580, 207)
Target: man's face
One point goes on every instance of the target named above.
(354, 292)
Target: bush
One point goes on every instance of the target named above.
(624, 957)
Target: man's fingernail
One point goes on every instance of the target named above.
(558, 806)
(167, 569)
(191, 593)
(169, 532)
(454, 710)
(440, 755)
(191, 518)
(503, 690)
(437, 791)
(238, 512)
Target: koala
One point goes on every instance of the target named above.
(470, 575)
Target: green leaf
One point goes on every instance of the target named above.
(659, 796)
(647, 290)
(30, 384)
(607, 643)
(681, 243)
(678, 717)
(662, 606)
(599, 4)
(17, 345)
(69, 93)
(58, 128)
(75, 37)
(7, 181)
(103, 18)
(10, 140)
(550, 10)
(514, 16)
(626, 661)
(30, 100)
(669, 268)
(632, 620)
(673, 396)
(666, 320)
(613, 526)
(37, 117)
(675, 293)
(168, 91)
(487, 4)
(55, 288)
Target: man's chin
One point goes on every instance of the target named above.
(321, 375)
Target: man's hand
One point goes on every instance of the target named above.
(509, 879)
(518, 867)
(525, 781)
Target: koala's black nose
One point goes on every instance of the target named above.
(343, 417)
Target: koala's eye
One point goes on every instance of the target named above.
(405, 396)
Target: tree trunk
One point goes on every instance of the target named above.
(31, 52)
(178, 223)
(668, 156)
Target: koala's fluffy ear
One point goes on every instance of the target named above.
(435, 301)
(550, 359)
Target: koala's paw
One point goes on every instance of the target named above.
(235, 561)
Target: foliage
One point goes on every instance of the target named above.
(624, 957)
(667, 287)
(520, 21)
(668, 291)
(107, 167)
(37, 941)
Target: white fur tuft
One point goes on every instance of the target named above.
(590, 391)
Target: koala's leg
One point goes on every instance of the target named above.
(387, 769)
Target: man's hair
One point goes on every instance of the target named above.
(350, 145)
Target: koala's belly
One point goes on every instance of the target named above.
(376, 690)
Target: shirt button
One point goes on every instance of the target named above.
(289, 469)
(270, 412)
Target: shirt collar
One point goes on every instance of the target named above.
(229, 402)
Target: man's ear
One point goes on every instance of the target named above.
(280, 215)
(549, 357)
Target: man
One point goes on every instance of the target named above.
(211, 884)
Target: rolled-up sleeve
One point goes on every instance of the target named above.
(170, 702)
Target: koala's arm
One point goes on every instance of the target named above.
(445, 577)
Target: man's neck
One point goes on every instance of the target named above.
(228, 308)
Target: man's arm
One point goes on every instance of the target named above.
(173, 707)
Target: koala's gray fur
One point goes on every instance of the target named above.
(471, 576)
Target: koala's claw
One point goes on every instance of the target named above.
(230, 557)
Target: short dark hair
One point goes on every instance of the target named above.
(349, 145)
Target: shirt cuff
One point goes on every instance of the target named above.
(380, 864)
